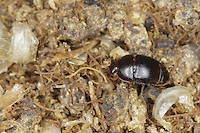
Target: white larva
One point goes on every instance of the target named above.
(12, 96)
(167, 98)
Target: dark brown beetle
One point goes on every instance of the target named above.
(142, 69)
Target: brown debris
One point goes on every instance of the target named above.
(69, 87)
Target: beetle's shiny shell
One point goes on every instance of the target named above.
(142, 69)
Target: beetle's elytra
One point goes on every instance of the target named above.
(142, 69)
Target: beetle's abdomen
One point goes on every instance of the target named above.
(147, 70)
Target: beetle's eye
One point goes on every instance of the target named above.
(113, 67)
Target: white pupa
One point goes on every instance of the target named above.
(167, 98)
(23, 44)
(19, 47)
